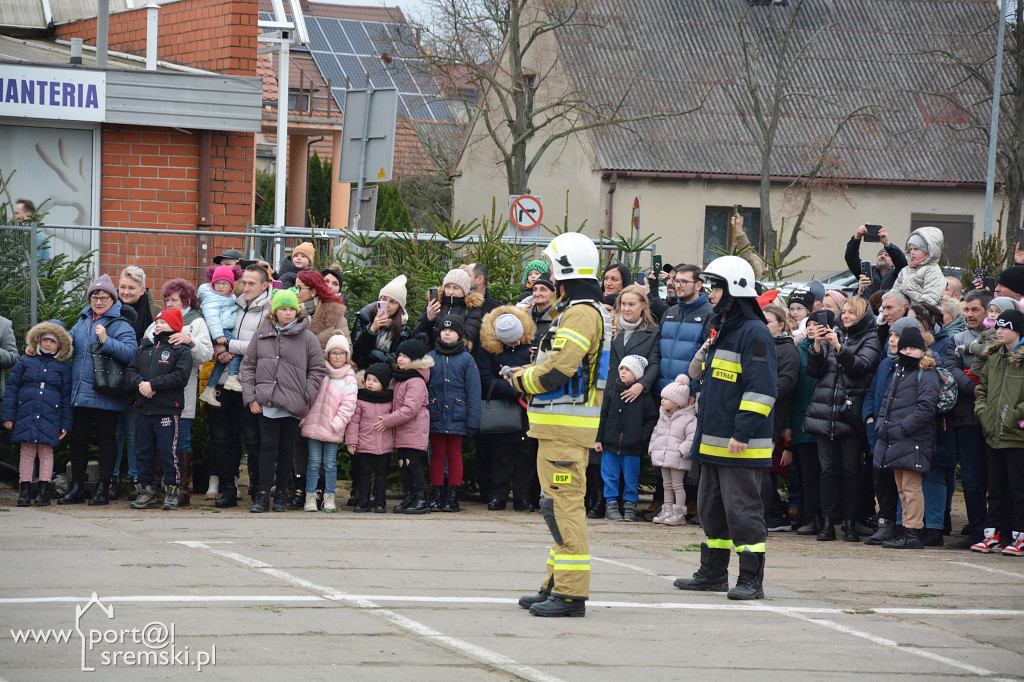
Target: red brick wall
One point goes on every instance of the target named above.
(216, 36)
(150, 175)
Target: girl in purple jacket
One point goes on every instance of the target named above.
(411, 422)
(324, 426)
(371, 447)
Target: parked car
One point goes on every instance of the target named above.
(843, 281)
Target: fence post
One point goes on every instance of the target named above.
(33, 269)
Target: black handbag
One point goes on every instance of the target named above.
(500, 416)
(851, 405)
(109, 375)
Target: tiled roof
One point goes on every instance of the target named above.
(352, 12)
(663, 54)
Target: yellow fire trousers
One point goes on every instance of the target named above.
(563, 482)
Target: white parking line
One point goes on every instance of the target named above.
(985, 568)
(478, 653)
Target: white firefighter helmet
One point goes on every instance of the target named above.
(735, 272)
(572, 256)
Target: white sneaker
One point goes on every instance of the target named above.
(209, 396)
(329, 504)
(212, 490)
(233, 384)
(310, 502)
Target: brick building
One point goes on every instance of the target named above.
(171, 148)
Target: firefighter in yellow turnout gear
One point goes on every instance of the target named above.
(566, 387)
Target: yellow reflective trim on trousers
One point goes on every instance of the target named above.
(563, 567)
(757, 548)
(719, 544)
(580, 340)
(727, 365)
(571, 557)
(751, 406)
(544, 419)
(749, 453)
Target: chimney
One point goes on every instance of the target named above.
(76, 50)
(152, 35)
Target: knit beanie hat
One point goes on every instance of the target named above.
(911, 338)
(678, 391)
(918, 241)
(395, 290)
(223, 272)
(382, 371)
(817, 289)
(903, 324)
(1003, 303)
(172, 317)
(802, 296)
(455, 323)
(414, 349)
(1011, 319)
(836, 296)
(282, 298)
(1012, 278)
(540, 266)
(459, 278)
(102, 283)
(544, 281)
(508, 328)
(306, 249)
(824, 317)
(635, 364)
(337, 341)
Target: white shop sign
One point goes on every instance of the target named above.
(48, 93)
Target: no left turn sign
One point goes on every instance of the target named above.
(525, 211)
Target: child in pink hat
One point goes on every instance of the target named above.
(219, 311)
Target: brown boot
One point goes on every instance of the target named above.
(184, 478)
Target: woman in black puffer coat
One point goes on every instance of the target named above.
(843, 357)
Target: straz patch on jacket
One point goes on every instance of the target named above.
(724, 375)
(561, 478)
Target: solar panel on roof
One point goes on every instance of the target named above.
(357, 36)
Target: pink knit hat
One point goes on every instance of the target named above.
(225, 272)
(836, 296)
(678, 391)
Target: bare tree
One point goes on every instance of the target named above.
(769, 86)
(499, 58)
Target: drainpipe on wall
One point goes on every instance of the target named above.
(102, 32)
(152, 35)
(204, 222)
(612, 182)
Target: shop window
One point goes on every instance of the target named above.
(716, 229)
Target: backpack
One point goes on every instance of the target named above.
(948, 391)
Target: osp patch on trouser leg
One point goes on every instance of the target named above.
(562, 473)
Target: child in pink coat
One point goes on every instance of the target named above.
(670, 448)
(325, 423)
(371, 446)
(411, 422)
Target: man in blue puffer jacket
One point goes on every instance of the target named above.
(684, 326)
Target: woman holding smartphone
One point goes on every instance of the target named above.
(381, 326)
(843, 356)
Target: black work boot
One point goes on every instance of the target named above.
(228, 496)
(560, 607)
(363, 504)
(933, 537)
(912, 538)
(102, 494)
(43, 498)
(74, 495)
(828, 530)
(850, 531)
(451, 502)
(405, 503)
(260, 502)
(748, 585)
(713, 574)
(886, 531)
(281, 501)
(25, 494)
(418, 505)
(597, 511)
(529, 600)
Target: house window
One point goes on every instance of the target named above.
(298, 100)
(957, 233)
(716, 229)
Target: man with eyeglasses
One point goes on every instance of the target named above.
(684, 326)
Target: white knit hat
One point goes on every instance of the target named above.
(508, 328)
(337, 341)
(678, 391)
(395, 290)
(635, 364)
(459, 278)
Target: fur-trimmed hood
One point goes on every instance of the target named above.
(489, 340)
(426, 362)
(471, 300)
(1015, 358)
(56, 328)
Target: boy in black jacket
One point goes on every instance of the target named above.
(623, 437)
(160, 371)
